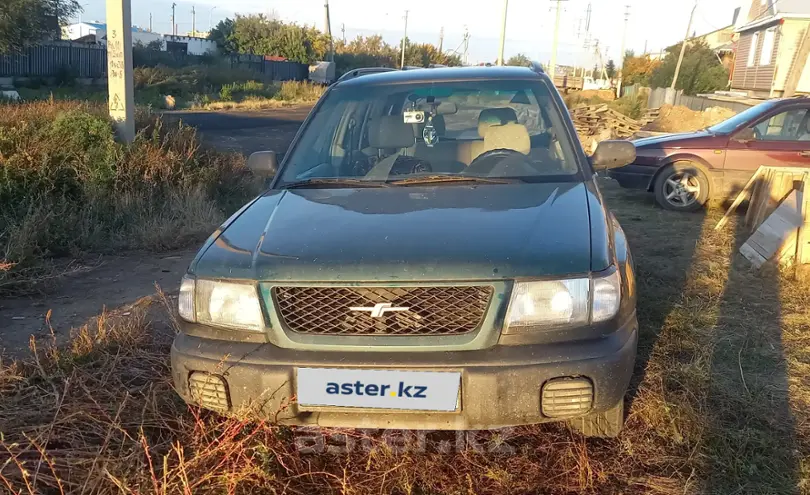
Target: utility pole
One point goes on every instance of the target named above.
(621, 54)
(120, 85)
(404, 39)
(683, 46)
(174, 25)
(552, 69)
(193, 22)
(331, 56)
(343, 32)
(211, 18)
(441, 39)
(503, 33)
(645, 47)
(150, 22)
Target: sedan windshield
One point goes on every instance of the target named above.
(507, 129)
(742, 118)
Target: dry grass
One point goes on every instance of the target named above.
(288, 93)
(67, 187)
(719, 403)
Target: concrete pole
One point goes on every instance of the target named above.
(193, 22)
(621, 54)
(211, 18)
(119, 68)
(404, 37)
(441, 40)
(174, 24)
(330, 56)
(503, 33)
(552, 69)
(683, 46)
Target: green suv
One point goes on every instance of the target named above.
(432, 253)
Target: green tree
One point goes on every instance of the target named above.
(610, 69)
(701, 72)
(519, 60)
(23, 22)
(222, 34)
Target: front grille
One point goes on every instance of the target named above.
(378, 310)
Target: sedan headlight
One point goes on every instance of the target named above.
(220, 303)
(563, 303)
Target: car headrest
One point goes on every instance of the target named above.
(495, 116)
(390, 131)
(510, 136)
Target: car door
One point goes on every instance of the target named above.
(779, 139)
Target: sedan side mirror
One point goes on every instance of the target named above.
(746, 135)
(263, 163)
(613, 154)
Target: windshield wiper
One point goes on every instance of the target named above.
(332, 181)
(434, 179)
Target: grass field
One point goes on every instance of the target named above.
(718, 404)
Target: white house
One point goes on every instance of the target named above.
(99, 31)
(192, 45)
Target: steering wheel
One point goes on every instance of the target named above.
(406, 165)
(504, 159)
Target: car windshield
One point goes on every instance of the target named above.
(742, 118)
(507, 130)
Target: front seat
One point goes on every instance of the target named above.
(469, 151)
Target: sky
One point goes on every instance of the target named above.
(530, 23)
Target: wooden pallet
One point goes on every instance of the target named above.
(777, 215)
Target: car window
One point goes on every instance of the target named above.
(742, 118)
(498, 129)
(784, 126)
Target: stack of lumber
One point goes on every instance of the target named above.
(651, 115)
(593, 120)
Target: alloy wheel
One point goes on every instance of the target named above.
(682, 189)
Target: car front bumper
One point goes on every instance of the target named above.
(500, 386)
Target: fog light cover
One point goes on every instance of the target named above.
(209, 391)
(566, 397)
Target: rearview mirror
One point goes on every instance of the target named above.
(613, 154)
(263, 163)
(745, 135)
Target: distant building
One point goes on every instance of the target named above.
(721, 41)
(191, 45)
(769, 38)
(86, 31)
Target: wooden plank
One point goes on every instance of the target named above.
(769, 237)
(755, 205)
(740, 198)
(802, 236)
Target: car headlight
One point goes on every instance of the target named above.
(563, 303)
(220, 303)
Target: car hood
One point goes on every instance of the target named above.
(681, 140)
(406, 233)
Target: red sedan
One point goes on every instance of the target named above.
(687, 170)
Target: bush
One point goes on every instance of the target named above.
(299, 91)
(68, 187)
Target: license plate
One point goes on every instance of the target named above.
(379, 389)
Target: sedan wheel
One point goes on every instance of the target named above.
(682, 190)
(681, 187)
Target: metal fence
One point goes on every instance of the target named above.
(697, 103)
(52, 59)
(85, 61)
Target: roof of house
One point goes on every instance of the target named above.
(777, 10)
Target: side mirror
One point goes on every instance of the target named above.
(613, 154)
(263, 163)
(746, 135)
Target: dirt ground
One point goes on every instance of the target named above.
(682, 119)
(111, 282)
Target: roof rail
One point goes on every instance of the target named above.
(537, 67)
(363, 71)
